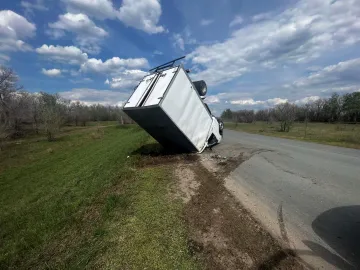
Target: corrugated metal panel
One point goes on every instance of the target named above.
(139, 91)
(159, 89)
(184, 106)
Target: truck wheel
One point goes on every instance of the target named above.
(221, 127)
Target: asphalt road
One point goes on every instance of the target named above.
(306, 194)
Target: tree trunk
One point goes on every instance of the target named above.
(36, 125)
(49, 135)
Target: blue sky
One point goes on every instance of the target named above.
(252, 54)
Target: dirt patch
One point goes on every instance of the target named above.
(223, 234)
(226, 158)
(155, 155)
(188, 184)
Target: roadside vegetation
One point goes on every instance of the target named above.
(345, 135)
(24, 114)
(333, 121)
(82, 201)
(73, 192)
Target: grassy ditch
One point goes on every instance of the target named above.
(82, 201)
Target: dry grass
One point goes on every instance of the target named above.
(344, 135)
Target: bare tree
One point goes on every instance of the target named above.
(51, 114)
(8, 86)
(227, 115)
(262, 115)
(307, 108)
(333, 107)
(35, 111)
(19, 113)
(285, 114)
(244, 116)
(20, 110)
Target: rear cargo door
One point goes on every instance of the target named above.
(140, 91)
(160, 87)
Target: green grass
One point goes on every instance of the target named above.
(81, 202)
(344, 135)
(102, 123)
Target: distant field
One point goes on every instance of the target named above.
(102, 123)
(344, 135)
(82, 202)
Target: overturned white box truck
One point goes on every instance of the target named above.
(170, 107)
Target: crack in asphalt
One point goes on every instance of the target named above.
(288, 171)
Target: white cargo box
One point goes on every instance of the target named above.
(167, 105)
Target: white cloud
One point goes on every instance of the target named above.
(276, 101)
(14, 45)
(262, 16)
(212, 99)
(74, 73)
(249, 101)
(306, 100)
(51, 72)
(305, 31)
(95, 96)
(142, 14)
(179, 41)
(127, 79)
(313, 68)
(34, 5)
(342, 74)
(68, 54)
(156, 52)
(214, 76)
(123, 70)
(184, 38)
(81, 80)
(113, 65)
(347, 88)
(87, 35)
(4, 58)
(71, 72)
(252, 102)
(205, 22)
(99, 9)
(236, 21)
(14, 28)
(341, 77)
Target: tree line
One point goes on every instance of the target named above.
(337, 108)
(22, 112)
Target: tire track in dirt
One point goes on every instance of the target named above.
(223, 233)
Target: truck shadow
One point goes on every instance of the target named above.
(339, 228)
(154, 154)
(155, 150)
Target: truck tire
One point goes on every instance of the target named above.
(221, 126)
